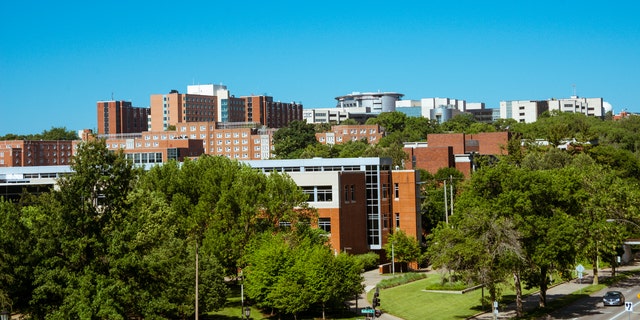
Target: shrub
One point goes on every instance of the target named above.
(400, 280)
(369, 260)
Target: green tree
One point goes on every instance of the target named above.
(288, 142)
(459, 123)
(402, 248)
(289, 272)
(390, 121)
(14, 248)
(74, 273)
(59, 133)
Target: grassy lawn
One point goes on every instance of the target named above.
(410, 301)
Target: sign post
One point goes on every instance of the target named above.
(628, 306)
(495, 309)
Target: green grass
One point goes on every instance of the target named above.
(411, 301)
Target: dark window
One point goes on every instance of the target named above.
(325, 224)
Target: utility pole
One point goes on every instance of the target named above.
(446, 209)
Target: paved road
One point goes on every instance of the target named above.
(591, 308)
(582, 308)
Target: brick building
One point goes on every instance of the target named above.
(269, 113)
(26, 153)
(455, 150)
(115, 117)
(174, 108)
(240, 141)
(360, 201)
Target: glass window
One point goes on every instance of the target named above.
(325, 224)
(324, 194)
(309, 191)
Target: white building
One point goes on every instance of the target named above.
(374, 102)
(329, 115)
(526, 111)
(589, 106)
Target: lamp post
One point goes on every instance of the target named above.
(4, 315)
(624, 220)
(247, 312)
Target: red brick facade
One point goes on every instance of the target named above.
(453, 150)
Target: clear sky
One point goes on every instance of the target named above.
(58, 58)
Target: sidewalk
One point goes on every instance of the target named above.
(532, 301)
(371, 279)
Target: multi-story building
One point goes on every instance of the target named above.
(230, 108)
(455, 150)
(174, 108)
(27, 153)
(241, 141)
(360, 201)
(115, 117)
(529, 111)
(373, 102)
(593, 107)
(526, 111)
(269, 113)
(152, 148)
(340, 134)
(325, 115)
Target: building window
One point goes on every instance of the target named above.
(353, 193)
(325, 224)
(346, 194)
(309, 191)
(396, 191)
(324, 194)
(397, 220)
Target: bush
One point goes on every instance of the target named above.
(455, 286)
(400, 280)
(369, 260)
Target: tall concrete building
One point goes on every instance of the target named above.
(589, 106)
(116, 117)
(373, 102)
(526, 111)
(174, 108)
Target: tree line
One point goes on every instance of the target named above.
(117, 242)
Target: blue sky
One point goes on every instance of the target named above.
(58, 58)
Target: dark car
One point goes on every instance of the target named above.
(613, 298)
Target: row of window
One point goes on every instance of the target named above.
(318, 193)
(145, 157)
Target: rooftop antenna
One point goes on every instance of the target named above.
(112, 96)
(574, 90)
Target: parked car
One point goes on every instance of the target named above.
(613, 298)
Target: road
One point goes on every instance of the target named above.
(591, 308)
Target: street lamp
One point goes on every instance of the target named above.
(247, 312)
(4, 315)
(624, 220)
